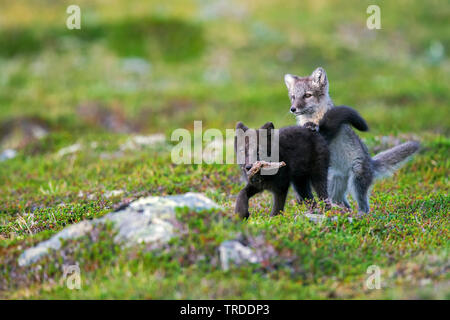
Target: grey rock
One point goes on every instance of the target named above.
(7, 154)
(216, 9)
(146, 220)
(140, 141)
(69, 150)
(436, 53)
(234, 252)
(74, 231)
(112, 193)
(319, 218)
(136, 65)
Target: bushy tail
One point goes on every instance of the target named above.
(386, 162)
(337, 116)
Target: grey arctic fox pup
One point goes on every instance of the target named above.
(351, 166)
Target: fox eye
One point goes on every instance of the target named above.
(307, 95)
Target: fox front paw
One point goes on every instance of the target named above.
(244, 215)
(312, 126)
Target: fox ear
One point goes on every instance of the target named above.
(268, 125)
(319, 78)
(289, 79)
(241, 126)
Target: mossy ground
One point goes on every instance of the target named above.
(218, 65)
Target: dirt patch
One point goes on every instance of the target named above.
(111, 118)
(17, 133)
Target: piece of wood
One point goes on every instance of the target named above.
(258, 165)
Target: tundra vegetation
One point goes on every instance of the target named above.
(84, 113)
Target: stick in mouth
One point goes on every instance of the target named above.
(258, 165)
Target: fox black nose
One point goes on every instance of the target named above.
(293, 109)
(248, 167)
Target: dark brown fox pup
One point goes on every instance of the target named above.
(304, 151)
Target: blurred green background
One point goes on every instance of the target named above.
(158, 65)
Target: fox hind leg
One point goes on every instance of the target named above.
(361, 179)
(337, 189)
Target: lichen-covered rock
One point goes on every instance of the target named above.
(74, 231)
(254, 250)
(7, 154)
(146, 220)
(234, 252)
(319, 218)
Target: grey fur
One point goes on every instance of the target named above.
(386, 162)
(351, 167)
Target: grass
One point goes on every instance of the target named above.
(145, 68)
